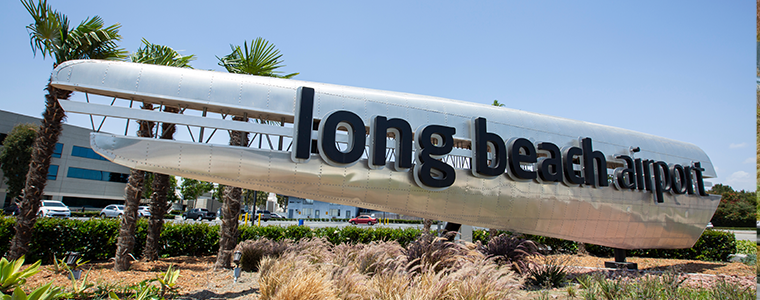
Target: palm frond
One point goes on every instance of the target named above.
(50, 34)
(156, 54)
(262, 59)
(44, 32)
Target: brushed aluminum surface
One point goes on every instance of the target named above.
(275, 99)
(603, 216)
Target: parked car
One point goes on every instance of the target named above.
(112, 211)
(243, 211)
(143, 211)
(265, 215)
(363, 219)
(51, 208)
(709, 225)
(276, 216)
(198, 214)
(11, 210)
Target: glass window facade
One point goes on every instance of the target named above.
(52, 172)
(58, 150)
(97, 175)
(86, 153)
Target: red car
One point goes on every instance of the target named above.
(363, 219)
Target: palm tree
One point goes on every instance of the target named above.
(493, 232)
(157, 55)
(261, 59)
(51, 35)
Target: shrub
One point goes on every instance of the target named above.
(548, 245)
(713, 245)
(746, 247)
(370, 258)
(510, 250)
(254, 250)
(549, 272)
(432, 253)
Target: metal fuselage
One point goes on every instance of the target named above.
(414, 155)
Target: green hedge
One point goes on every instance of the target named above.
(96, 239)
(713, 245)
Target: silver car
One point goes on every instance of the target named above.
(112, 211)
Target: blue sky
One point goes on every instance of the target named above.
(679, 69)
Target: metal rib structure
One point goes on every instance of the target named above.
(605, 216)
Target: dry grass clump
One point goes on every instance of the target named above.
(254, 250)
(430, 268)
(511, 250)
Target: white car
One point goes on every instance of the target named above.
(143, 211)
(51, 208)
(112, 211)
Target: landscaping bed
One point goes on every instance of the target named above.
(199, 280)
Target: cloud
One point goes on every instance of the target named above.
(750, 160)
(738, 177)
(739, 145)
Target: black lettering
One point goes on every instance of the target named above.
(380, 127)
(357, 138)
(302, 124)
(596, 177)
(429, 172)
(661, 180)
(571, 175)
(647, 166)
(550, 168)
(625, 178)
(483, 139)
(639, 174)
(697, 168)
(689, 180)
(677, 180)
(516, 158)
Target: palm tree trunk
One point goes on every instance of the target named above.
(36, 178)
(133, 193)
(158, 206)
(158, 202)
(228, 232)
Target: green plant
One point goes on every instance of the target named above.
(432, 253)
(746, 247)
(45, 292)
(59, 266)
(168, 281)
(78, 287)
(510, 250)
(11, 275)
(550, 272)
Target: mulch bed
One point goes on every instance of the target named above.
(199, 280)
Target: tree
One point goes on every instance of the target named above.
(282, 202)
(162, 186)
(132, 195)
(50, 34)
(262, 59)
(15, 157)
(736, 209)
(191, 189)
